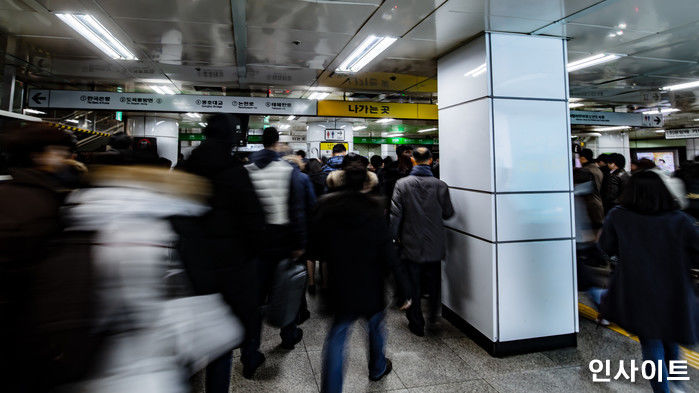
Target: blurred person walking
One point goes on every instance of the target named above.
(155, 334)
(221, 248)
(30, 201)
(356, 274)
(280, 189)
(651, 293)
(593, 199)
(419, 206)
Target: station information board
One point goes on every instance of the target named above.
(682, 133)
(96, 100)
(616, 119)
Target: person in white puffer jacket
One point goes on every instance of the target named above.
(155, 340)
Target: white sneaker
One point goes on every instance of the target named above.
(603, 322)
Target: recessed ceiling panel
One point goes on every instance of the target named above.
(596, 39)
(189, 54)
(271, 39)
(648, 15)
(343, 17)
(177, 32)
(208, 11)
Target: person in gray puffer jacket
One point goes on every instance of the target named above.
(419, 205)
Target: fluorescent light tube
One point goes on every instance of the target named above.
(575, 105)
(74, 121)
(367, 51)
(382, 121)
(292, 117)
(428, 130)
(358, 128)
(575, 99)
(318, 95)
(167, 90)
(193, 115)
(33, 111)
(202, 124)
(477, 71)
(92, 30)
(661, 111)
(681, 86)
(284, 126)
(591, 61)
(612, 128)
(660, 131)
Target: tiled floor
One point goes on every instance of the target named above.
(444, 361)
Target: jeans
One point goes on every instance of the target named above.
(432, 274)
(596, 294)
(655, 350)
(334, 349)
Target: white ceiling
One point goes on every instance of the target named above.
(295, 45)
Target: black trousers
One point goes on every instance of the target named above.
(428, 274)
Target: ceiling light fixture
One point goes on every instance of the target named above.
(428, 129)
(660, 131)
(193, 115)
(202, 124)
(318, 95)
(284, 127)
(622, 25)
(591, 61)
(575, 99)
(613, 128)
(681, 86)
(92, 30)
(393, 135)
(74, 121)
(358, 128)
(477, 71)
(33, 111)
(575, 105)
(383, 121)
(292, 117)
(660, 111)
(367, 51)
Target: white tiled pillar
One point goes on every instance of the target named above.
(505, 153)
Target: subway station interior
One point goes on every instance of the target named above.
(504, 97)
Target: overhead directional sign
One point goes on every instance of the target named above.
(616, 119)
(68, 99)
(682, 133)
(377, 109)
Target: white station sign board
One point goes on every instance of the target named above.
(682, 133)
(616, 119)
(68, 99)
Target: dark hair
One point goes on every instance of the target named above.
(221, 126)
(301, 153)
(364, 160)
(22, 141)
(339, 148)
(120, 141)
(402, 148)
(376, 161)
(355, 172)
(270, 136)
(645, 163)
(422, 154)
(586, 154)
(388, 161)
(314, 166)
(603, 158)
(646, 193)
(618, 159)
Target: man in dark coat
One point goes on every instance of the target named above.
(593, 200)
(29, 219)
(356, 273)
(419, 205)
(615, 182)
(228, 238)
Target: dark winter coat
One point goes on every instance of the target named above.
(419, 205)
(349, 232)
(593, 200)
(650, 293)
(228, 235)
(612, 188)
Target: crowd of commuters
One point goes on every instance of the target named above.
(128, 276)
(631, 223)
